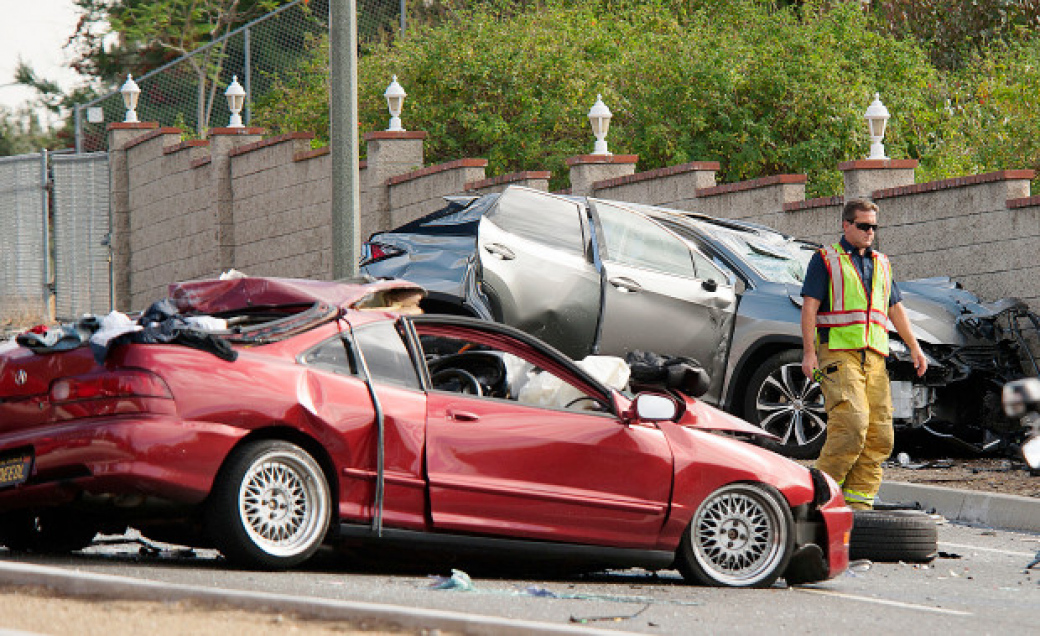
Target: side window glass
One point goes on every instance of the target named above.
(547, 219)
(705, 270)
(331, 355)
(386, 355)
(632, 239)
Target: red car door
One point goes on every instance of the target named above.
(499, 467)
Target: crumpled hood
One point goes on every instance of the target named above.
(951, 314)
(703, 416)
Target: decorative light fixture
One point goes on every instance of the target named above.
(599, 117)
(130, 91)
(877, 118)
(395, 101)
(236, 100)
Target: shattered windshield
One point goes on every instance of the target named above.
(775, 259)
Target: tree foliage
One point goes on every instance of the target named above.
(952, 31)
(761, 89)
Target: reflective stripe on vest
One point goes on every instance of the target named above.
(855, 320)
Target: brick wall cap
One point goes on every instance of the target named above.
(270, 141)
(245, 130)
(184, 145)
(809, 204)
(136, 125)
(753, 184)
(955, 182)
(878, 164)
(441, 167)
(159, 132)
(609, 159)
(513, 177)
(1024, 202)
(312, 154)
(659, 173)
(400, 134)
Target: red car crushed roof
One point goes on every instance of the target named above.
(342, 417)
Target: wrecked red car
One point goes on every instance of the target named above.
(266, 417)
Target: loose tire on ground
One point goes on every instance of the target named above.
(270, 507)
(782, 401)
(740, 536)
(890, 536)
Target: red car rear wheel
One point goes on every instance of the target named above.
(270, 507)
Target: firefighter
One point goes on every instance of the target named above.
(849, 297)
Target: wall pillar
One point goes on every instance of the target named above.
(119, 134)
(864, 177)
(588, 169)
(221, 142)
(388, 154)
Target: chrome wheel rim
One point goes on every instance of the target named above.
(791, 407)
(738, 535)
(283, 503)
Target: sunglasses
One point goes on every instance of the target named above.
(867, 227)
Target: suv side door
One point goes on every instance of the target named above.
(661, 295)
(536, 269)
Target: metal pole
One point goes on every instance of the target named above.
(48, 289)
(248, 70)
(79, 128)
(402, 17)
(343, 124)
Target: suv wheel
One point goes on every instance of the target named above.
(782, 401)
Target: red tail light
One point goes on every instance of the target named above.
(121, 383)
(375, 252)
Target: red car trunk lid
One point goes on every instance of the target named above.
(24, 373)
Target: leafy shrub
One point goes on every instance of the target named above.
(761, 88)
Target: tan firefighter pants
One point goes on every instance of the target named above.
(859, 422)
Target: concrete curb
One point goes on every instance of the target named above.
(1005, 512)
(368, 615)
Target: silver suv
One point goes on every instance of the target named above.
(596, 276)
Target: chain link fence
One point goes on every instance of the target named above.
(82, 275)
(24, 239)
(190, 91)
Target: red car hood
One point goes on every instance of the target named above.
(708, 418)
(216, 296)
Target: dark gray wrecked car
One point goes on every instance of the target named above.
(592, 276)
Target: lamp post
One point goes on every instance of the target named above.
(877, 118)
(394, 102)
(236, 100)
(130, 91)
(599, 118)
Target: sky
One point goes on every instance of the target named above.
(35, 31)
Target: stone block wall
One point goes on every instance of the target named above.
(263, 206)
(672, 187)
(281, 210)
(173, 231)
(534, 179)
(418, 193)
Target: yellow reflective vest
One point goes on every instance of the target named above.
(857, 319)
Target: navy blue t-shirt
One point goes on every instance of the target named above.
(817, 281)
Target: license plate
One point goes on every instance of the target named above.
(15, 469)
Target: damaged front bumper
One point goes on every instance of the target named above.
(958, 398)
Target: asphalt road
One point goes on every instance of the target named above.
(979, 585)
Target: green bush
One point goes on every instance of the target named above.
(763, 89)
